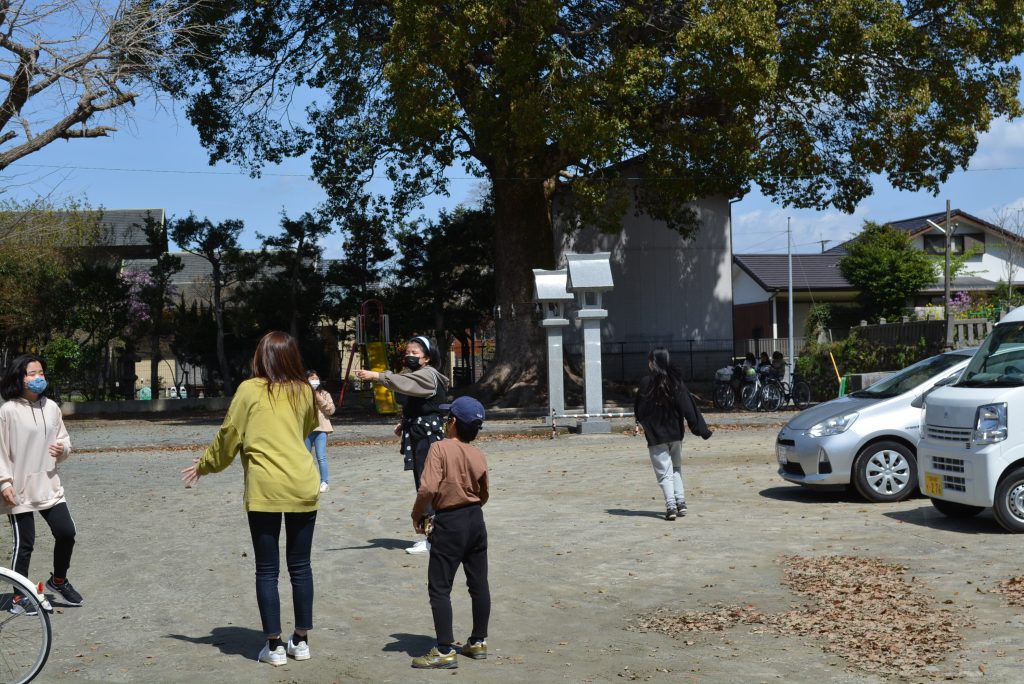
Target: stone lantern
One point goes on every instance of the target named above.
(590, 275)
(550, 292)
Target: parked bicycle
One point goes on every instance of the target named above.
(25, 633)
(775, 393)
(731, 383)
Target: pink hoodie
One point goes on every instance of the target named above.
(26, 431)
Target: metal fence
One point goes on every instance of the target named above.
(627, 361)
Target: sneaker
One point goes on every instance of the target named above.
(324, 487)
(299, 651)
(435, 660)
(670, 513)
(476, 651)
(276, 657)
(681, 508)
(65, 591)
(22, 606)
(422, 546)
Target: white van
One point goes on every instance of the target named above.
(971, 453)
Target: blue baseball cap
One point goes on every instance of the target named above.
(466, 410)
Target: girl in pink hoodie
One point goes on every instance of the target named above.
(33, 440)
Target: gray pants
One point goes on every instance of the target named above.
(667, 460)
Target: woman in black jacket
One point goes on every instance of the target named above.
(662, 404)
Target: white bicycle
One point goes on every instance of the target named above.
(25, 633)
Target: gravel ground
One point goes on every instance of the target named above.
(578, 549)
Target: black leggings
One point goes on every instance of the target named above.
(23, 526)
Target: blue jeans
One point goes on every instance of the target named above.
(266, 530)
(317, 443)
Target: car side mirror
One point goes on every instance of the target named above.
(919, 401)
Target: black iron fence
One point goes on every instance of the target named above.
(627, 361)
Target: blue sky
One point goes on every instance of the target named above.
(155, 161)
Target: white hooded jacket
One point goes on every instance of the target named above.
(27, 428)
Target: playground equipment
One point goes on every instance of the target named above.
(376, 353)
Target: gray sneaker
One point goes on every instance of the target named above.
(670, 514)
(681, 508)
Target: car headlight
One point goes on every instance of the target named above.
(836, 425)
(990, 424)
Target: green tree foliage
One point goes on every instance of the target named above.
(809, 99)
(445, 278)
(217, 244)
(883, 264)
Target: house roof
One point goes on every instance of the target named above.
(919, 224)
(126, 227)
(810, 271)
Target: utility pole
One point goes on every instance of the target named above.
(949, 317)
(789, 252)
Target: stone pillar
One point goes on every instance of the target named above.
(589, 276)
(550, 292)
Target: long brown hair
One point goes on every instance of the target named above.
(277, 360)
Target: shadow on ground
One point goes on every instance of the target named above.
(410, 644)
(927, 516)
(626, 513)
(242, 641)
(386, 544)
(798, 494)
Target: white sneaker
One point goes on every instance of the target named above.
(275, 657)
(298, 651)
(422, 546)
(324, 487)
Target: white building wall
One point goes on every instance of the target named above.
(666, 288)
(745, 290)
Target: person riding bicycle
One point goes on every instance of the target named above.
(778, 365)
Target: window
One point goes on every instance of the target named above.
(936, 244)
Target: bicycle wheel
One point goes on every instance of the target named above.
(749, 395)
(724, 397)
(24, 630)
(801, 394)
(771, 397)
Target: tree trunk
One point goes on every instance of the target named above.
(523, 242)
(218, 315)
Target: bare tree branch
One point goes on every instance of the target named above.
(65, 62)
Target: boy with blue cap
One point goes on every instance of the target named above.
(454, 484)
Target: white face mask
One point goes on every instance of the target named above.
(314, 383)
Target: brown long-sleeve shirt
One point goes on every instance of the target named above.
(455, 475)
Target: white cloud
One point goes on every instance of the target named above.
(1001, 147)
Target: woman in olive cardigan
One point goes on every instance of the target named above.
(267, 422)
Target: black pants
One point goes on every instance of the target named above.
(459, 538)
(23, 526)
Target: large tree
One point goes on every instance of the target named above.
(807, 98)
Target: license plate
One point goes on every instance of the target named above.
(782, 453)
(933, 484)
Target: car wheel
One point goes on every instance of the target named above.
(1009, 503)
(885, 472)
(951, 509)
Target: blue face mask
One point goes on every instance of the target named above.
(37, 385)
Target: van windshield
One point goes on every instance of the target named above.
(1000, 360)
(910, 377)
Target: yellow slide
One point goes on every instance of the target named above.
(376, 353)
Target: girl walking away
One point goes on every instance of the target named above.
(421, 390)
(663, 403)
(317, 439)
(267, 422)
(33, 440)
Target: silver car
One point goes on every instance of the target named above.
(867, 438)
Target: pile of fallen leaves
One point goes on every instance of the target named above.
(1013, 590)
(862, 609)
